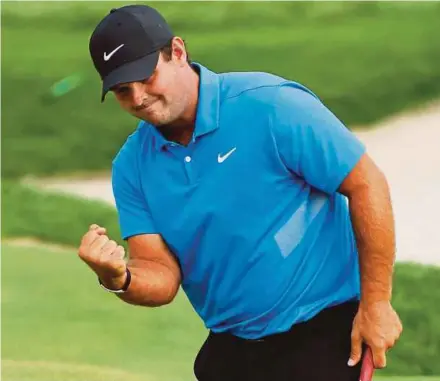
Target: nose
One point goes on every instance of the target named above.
(137, 95)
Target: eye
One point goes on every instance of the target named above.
(121, 90)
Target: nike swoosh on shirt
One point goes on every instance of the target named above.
(221, 158)
(108, 56)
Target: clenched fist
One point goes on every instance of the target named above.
(104, 256)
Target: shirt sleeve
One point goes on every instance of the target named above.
(133, 213)
(311, 141)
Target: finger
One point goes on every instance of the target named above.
(115, 262)
(89, 238)
(356, 347)
(98, 229)
(99, 243)
(119, 253)
(379, 356)
(109, 247)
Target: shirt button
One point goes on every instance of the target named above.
(188, 159)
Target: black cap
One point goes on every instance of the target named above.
(125, 45)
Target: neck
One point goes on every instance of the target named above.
(181, 130)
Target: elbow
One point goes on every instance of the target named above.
(170, 290)
(164, 295)
(167, 298)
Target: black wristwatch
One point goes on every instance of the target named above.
(124, 287)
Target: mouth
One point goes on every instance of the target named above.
(145, 107)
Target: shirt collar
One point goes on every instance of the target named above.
(208, 106)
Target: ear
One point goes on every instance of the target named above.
(179, 50)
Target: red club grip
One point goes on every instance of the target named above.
(367, 368)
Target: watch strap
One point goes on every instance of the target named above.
(124, 287)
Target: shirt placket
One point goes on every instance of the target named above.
(185, 155)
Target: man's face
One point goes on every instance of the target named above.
(159, 100)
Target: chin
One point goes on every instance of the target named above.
(155, 119)
(161, 119)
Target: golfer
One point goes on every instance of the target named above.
(246, 191)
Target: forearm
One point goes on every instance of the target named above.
(152, 284)
(373, 224)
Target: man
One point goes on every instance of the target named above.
(244, 189)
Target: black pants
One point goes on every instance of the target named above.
(317, 350)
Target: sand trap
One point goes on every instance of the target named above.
(406, 147)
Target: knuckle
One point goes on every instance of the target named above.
(393, 339)
(94, 253)
(81, 252)
(102, 241)
(102, 261)
(84, 251)
(90, 236)
(109, 246)
(106, 251)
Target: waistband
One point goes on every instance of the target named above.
(330, 318)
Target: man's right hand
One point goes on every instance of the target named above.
(104, 256)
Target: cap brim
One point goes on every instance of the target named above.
(138, 70)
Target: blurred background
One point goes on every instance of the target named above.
(375, 64)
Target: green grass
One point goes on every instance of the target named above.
(52, 217)
(59, 279)
(47, 371)
(13, 370)
(57, 323)
(366, 60)
(55, 314)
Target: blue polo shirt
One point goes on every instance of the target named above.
(250, 207)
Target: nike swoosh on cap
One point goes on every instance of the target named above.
(108, 56)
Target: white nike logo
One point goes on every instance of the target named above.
(221, 158)
(108, 56)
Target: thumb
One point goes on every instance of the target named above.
(356, 347)
(98, 229)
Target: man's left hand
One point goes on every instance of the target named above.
(377, 325)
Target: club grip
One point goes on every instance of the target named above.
(367, 368)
